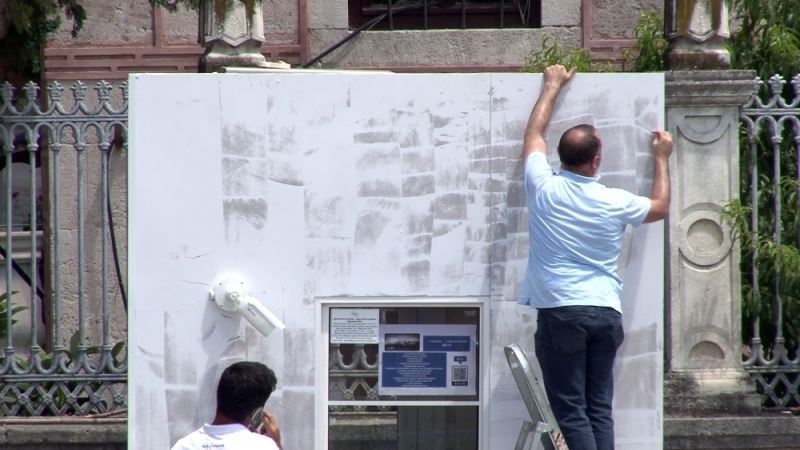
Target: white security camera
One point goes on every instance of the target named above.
(231, 295)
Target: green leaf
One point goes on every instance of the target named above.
(647, 54)
(553, 53)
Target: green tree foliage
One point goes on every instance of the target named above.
(767, 38)
(552, 52)
(647, 54)
(4, 305)
(32, 23)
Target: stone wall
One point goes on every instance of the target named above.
(63, 434)
(615, 19)
(121, 23)
(417, 50)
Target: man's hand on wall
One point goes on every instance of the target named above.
(662, 144)
(557, 75)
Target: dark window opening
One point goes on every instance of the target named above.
(445, 14)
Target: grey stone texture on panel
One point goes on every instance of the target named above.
(364, 186)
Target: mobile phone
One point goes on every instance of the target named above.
(255, 419)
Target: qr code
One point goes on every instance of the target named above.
(459, 376)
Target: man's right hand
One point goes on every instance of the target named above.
(555, 77)
(660, 195)
(558, 75)
(662, 144)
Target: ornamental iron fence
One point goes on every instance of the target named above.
(769, 226)
(62, 319)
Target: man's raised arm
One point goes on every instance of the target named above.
(659, 197)
(555, 77)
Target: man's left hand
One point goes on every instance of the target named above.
(270, 428)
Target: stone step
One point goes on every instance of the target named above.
(766, 431)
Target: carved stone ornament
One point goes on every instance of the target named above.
(698, 31)
(233, 40)
(704, 353)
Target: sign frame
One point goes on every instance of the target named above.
(322, 319)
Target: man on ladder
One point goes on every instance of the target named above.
(576, 227)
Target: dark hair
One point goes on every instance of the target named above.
(578, 145)
(243, 387)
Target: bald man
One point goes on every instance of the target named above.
(576, 226)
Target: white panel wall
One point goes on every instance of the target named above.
(333, 184)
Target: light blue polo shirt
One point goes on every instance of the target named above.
(576, 227)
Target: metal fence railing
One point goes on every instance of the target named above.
(62, 312)
(771, 239)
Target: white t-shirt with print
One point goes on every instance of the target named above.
(225, 437)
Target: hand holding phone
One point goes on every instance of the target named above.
(264, 423)
(255, 420)
(270, 427)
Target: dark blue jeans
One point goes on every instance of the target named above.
(576, 347)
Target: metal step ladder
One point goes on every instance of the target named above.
(543, 425)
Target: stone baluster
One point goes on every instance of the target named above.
(698, 31)
(233, 40)
(704, 360)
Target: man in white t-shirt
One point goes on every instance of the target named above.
(243, 389)
(576, 226)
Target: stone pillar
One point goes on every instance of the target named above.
(232, 39)
(697, 31)
(704, 340)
